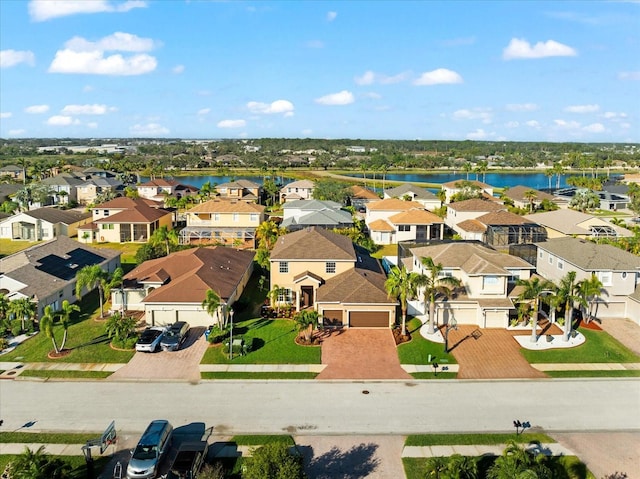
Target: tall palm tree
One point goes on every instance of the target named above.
(435, 286)
(590, 290)
(46, 325)
(23, 309)
(267, 233)
(92, 277)
(274, 294)
(568, 291)
(467, 168)
(65, 318)
(211, 303)
(533, 288)
(402, 286)
(163, 235)
(530, 196)
(558, 170)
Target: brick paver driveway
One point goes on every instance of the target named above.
(361, 354)
(490, 353)
(182, 364)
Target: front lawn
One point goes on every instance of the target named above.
(8, 247)
(474, 439)
(258, 375)
(274, 343)
(417, 350)
(599, 347)
(64, 374)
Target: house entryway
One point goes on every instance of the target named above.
(361, 354)
(307, 297)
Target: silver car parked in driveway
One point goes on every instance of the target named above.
(153, 444)
(175, 336)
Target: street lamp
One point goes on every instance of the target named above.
(451, 324)
(231, 335)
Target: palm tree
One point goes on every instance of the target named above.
(306, 320)
(92, 277)
(467, 168)
(436, 467)
(558, 170)
(23, 308)
(530, 196)
(164, 235)
(65, 318)
(533, 288)
(569, 294)
(267, 234)
(549, 174)
(4, 306)
(211, 303)
(590, 290)
(38, 465)
(442, 196)
(462, 467)
(46, 325)
(274, 295)
(517, 463)
(402, 285)
(120, 327)
(435, 286)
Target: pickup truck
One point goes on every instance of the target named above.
(189, 460)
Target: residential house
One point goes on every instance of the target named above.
(240, 190)
(298, 214)
(172, 288)
(297, 190)
(8, 190)
(360, 196)
(14, 172)
(453, 187)
(609, 200)
(99, 186)
(488, 279)
(618, 270)
(159, 189)
(520, 197)
(46, 272)
(415, 193)
(501, 229)
(223, 221)
(461, 211)
(43, 224)
(569, 222)
(64, 187)
(316, 268)
(125, 220)
(392, 220)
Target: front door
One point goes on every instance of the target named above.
(307, 297)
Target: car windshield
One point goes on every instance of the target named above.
(171, 333)
(144, 452)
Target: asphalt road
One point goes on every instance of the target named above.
(325, 408)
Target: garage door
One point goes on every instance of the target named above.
(369, 319)
(332, 317)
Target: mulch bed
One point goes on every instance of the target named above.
(58, 355)
(399, 337)
(592, 325)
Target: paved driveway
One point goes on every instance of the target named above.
(183, 364)
(361, 354)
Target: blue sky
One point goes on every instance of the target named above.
(498, 71)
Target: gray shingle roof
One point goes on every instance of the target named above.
(54, 215)
(420, 193)
(590, 256)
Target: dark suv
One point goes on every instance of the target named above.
(175, 336)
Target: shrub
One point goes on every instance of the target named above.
(16, 327)
(209, 471)
(249, 344)
(274, 461)
(216, 335)
(4, 344)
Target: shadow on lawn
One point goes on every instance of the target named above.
(354, 463)
(103, 338)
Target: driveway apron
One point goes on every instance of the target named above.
(361, 354)
(183, 364)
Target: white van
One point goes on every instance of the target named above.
(145, 458)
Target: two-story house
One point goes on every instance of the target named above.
(125, 220)
(160, 188)
(519, 195)
(297, 190)
(240, 190)
(426, 198)
(501, 229)
(567, 222)
(487, 277)
(452, 187)
(298, 214)
(223, 221)
(461, 211)
(316, 268)
(392, 220)
(43, 224)
(14, 172)
(618, 270)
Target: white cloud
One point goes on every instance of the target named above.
(635, 76)
(6, 114)
(595, 128)
(582, 108)
(36, 109)
(533, 123)
(372, 95)
(62, 120)
(278, 106)
(42, 10)
(204, 111)
(512, 124)
(344, 97)
(439, 76)
(612, 115)
(232, 124)
(17, 132)
(331, 16)
(369, 78)
(569, 125)
(519, 48)
(178, 69)
(478, 134)
(148, 130)
(366, 79)
(92, 124)
(483, 114)
(10, 58)
(83, 56)
(522, 107)
(86, 109)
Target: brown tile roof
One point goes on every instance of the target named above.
(355, 286)
(160, 182)
(380, 225)
(502, 303)
(307, 274)
(502, 218)
(415, 217)
(394, 204)
(192, 272)
(139, 214)
(476, 204)
(227, 206)
(452, 184)
(517, 193)
(313, 243)
(472, 226)
(124, 202)
(363, 193)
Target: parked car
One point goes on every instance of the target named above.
(175, 336)
(146, 457)
(189, 460)
(149, 340)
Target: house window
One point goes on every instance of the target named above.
(404, 227)
(560, 264)
(284, 267)
(605, 277)
(254, 217)
(216, 217)
(488, 281)
(236, 216)
(540, 254)
(285, 296)
(624, 275)
(105, 213)
(330, 267)
(550, 259)
(445, 274)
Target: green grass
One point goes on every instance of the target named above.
(252, 298)
(87, 340)
(128, 250)
(8, 247)
(599, 347)
(47, 437)
(260, 440)
(77, 463)
(626, 373)
(417, 350)
(258, 375)
(445, 375)
(386, 250)
(43, 373)
(474, 439)
(274, 339)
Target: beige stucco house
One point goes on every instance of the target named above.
(452, 187)
(561, 223)
(297, 190)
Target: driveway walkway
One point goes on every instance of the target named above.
(625, 331)
(489, 354)
(183, 364)
(361, 354)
